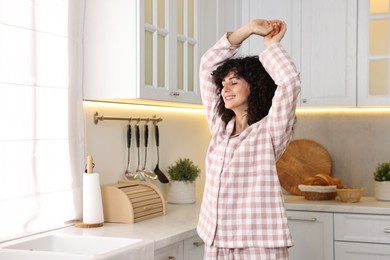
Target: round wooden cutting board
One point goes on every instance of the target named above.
(303, 158)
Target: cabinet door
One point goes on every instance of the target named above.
(171, 252)
(287, 11)
(328, 50)
(141, 49)
(111, 50)
(171, 51)
(361, 251)
(218, 17)
(193, 248)
(374, 53)
(312, 234)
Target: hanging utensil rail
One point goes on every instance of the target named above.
(98, 117)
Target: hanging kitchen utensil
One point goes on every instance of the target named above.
(146, 172)
(138, 171)
(128, 174)
(161, 176)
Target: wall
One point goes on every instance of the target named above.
(356, 139)
(183, 134)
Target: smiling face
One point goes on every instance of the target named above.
(235, 92)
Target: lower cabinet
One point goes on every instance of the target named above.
(361, 251)
(189, 249)
(171, 252)
(312, 233)
(361, 236)
(193, 248)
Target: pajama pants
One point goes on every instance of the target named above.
(251, 253)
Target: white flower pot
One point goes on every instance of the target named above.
(181, 192)
(382, 190)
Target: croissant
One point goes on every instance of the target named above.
(322, 180)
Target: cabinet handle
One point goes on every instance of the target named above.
(198, 243)
(171, 257)
(304, 100)
(312, 219)
(175, 93)
(387, 230)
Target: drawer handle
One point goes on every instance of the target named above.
(171, 257)
(387, 230)
(312, 219)
(174, 93)
(198, 243)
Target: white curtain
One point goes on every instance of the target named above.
(41, 128)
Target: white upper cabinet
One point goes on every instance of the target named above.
(276, 9)
(141, 49)
(374, 53)
(217, 18)
(321, 39)
(328, 51)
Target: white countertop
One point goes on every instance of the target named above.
(367, 205)
(178, 224)
(180, 221)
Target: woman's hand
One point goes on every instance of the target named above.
(276, 34)
(261, 27)
(272, 31)
(258, 27)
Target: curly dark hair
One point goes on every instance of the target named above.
(262, 87)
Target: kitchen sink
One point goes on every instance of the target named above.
(75, 247)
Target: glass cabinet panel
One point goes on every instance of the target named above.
(190, 68)
(148, 58)
(191, 18)
(180, 65)
(180, 16)
(161, 13)
(161, 61)
(379, 6)
(379, 77)
(379, 37)
(186, 44)
(155, 43)
(148, 11)
(379, 48)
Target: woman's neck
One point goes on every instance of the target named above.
(241, 123)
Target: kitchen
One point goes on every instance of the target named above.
(355, 134)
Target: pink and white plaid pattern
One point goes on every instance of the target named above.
(250, 253)
(242, 203)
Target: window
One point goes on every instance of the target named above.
(41, 132)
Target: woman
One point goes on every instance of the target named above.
(250, 107)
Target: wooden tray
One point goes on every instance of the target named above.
(303, 158)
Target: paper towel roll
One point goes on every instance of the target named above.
(92, 199)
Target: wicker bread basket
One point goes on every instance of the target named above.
(312, 192)
(350, 195)
(310, 195)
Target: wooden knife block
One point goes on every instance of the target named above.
(131, 201)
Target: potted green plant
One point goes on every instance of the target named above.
(183, 173)
(382, 181)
